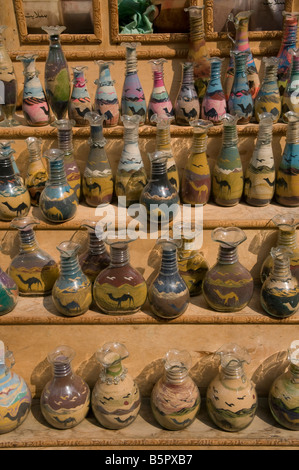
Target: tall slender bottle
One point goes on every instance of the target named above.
(106, 101)
(268, 99)
(159, 102)
(187, 107)
(37, 174)
(289, 40)
(290, 100)
(240, 99)
(214, 105)
(9, 84)
(79, 103)
(133, 99)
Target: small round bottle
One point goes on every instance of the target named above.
(65, 398)
(175, 398)
(37, 174)
(106, 101)
(283, 396)
(231, 396)
(15, 395)
(79, 102)
(187, 107)
(115, 398)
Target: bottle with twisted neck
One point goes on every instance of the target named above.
(37, 174)
(187, 107)
(106, 101)
(289, 100)
(79, 103)
(132, 99)
(288, 42)
(159, 102)
(213, 106)
(268, 99)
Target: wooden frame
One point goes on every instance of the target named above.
(26, 38)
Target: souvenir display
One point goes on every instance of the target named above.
(187, 105)
(9, 86)
(159, 102)
(268, 99)
(288, 43)
(115, 398)
(37, 174)
(106, 101)
(65, 398)
(214, 105)
(79, 103)
(240, 100)
(175, 398)
(289, 100)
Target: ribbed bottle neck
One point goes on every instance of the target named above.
(293, 133)
(295, 65)
(289, 35)
(233, 370)
(69, 266)
(57, 175)
(230, 136)
(199, 144)
(96, 136)
(265, 134)
(131, 135)
(27, 240)
(287, 238)
(240, 64)
(62, 369)
(120, 255)
(158, 169)
(158, 78)
(271, 73)
(96, 246)
(215, 71)
(176, 374)
(163, 138)
(281, 268)
(169, 262)
(131, 60)
(188, 75)
(196, 27)
(227, 255)
(6, 166)
(65, 140)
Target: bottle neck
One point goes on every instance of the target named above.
(62, 369)
(287, 238)
(169, 262)
(188, 75)
(176, 374)
(79, 80)
(227, 255)
(271, 73)
(294, 369)
(215, 71)
(131, 60)
(119, 256)
(230, 136)
(295, 65)
(27, 240)
(265, 134)
(158, 169)
(196, 27)
(158, 77)
(96, 246)
(240, 65)
(200, 141)
(96, 136)
(65, 141)
(6, 166)
(70, 266)
(163, 138)
(293, 133)
(242, 33)
(131, 135)
(34, 154)
(105, 76)
(281, 268)
(55, 42)
(57, 174)
(233, 370)
(289, 36)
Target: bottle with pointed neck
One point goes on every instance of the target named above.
(227, 175)
(240, 100)
(58, 201)
(233, 281)
(79, 103)
(37, 174)
(163, 144)
(231, 396)
(259, 181)
(287, 177)
(8, 292)
(283, 396)
(65, 398)
(65, 143)
(57, 77)
(159, 196)
(287, 240)
(5, 147)
(288, 42)
(14, 196)
(289, 100)
(96, 257)
(119, 289)
(97, 180)
(106, 101)
(115, 398)
(196, 178)
(268, 99)
(72, 291)
(241, 44)
(168, 293)
(213, 106)
(131, 177)
(175, 398)
(33, 270)
(187, 107)
(9, 83)
(35, 105)
(16, 399)
(280, 292)
(159, 102)
(132, 99)
(198, 52)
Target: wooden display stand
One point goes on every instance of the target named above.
(34, 327)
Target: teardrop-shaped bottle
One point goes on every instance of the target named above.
(65, 398)
(288, 42)
(72, 291)
(213, 106)
(8, 293)
(240, 100)
(97, 181)
(289, 100)
(79, 103)
(106, 101)
(196, 178)
(159, 102)
(268, 99)
(228, 285)
(187, 107)
(33, 270)
(283, 396)
(57, 77)
(9, 86)
(259, 181)
(37, 174)
(175, 398)
(15, 395)
(132, 99)
(231, 396)
(115, 398)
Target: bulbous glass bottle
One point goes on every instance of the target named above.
(96, 257)
(240, 100)
(72, 291)
(37, 174)
(79, 102)
(187, 107)
(228, 285)
(132, 99)
(57, 77)
(268, 99)
(159, 102)
(259, 181)
(287, 176)
(168, 293)
(119, 289)
(9, 84)
(15, 395)
(231, 396)
(106, 101)
(289, 100)
(8, 293)
(213, 106)
(33, 269)
(159, 196)
(288, 42)
(131, 177)
(58, 202)
(65, 398)
(6, 148)
(227, 174)
(115, 398)
(35, 105)
(280, 291)
(175, 398)
(14, 196)
(196, 177)
(97, 180)
(283, 396)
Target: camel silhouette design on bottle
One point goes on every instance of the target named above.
(121, 299)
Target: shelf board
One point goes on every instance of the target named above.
(146, 433)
